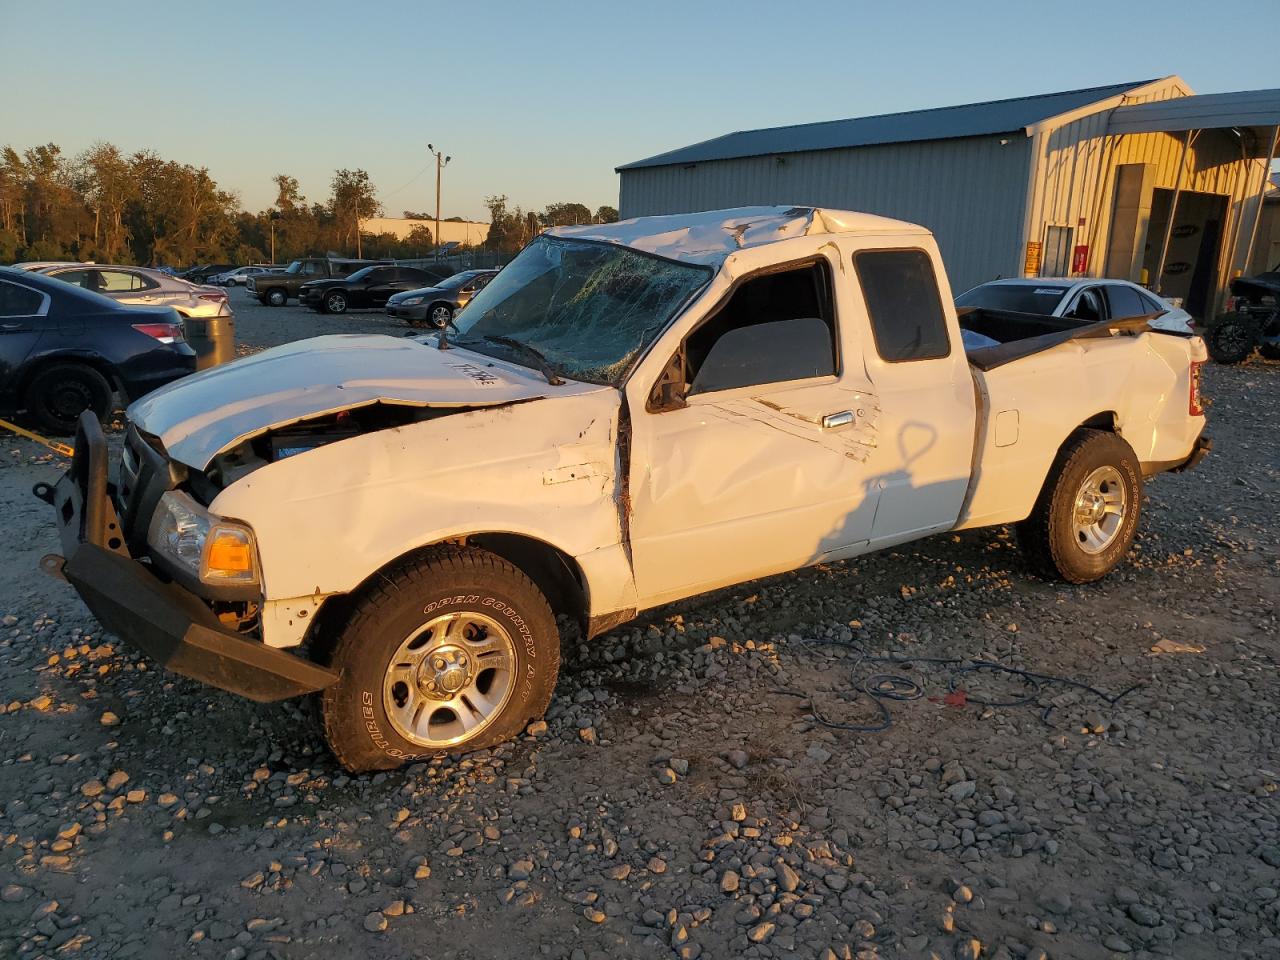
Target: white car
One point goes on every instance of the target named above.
(1087, 299)
(628, 414)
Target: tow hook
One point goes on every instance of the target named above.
(53, 564)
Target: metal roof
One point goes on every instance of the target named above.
(1255, 110)
(939, 123)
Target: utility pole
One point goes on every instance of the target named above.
(441, 162)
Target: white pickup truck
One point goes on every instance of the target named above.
(627, 415)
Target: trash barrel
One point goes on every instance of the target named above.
(212, 338)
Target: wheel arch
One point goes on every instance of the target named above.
(554, 572)
(44, 361)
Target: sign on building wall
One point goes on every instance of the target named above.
(1035, 254)
(1080, 258)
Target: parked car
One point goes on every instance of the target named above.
(276, 287)
(143, 285)
(239, 276)
(202, 273)
(367, 287)
(64, 350)
(628, 414)
(1086, 299)
(436, 305)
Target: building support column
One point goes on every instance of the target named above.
(1262, 191)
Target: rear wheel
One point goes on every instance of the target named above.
(58, 394)
(1231, 339)
(449, 652)
(335, 301)
(277, 298)
(1085, 519)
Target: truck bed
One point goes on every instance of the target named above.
(1114, 375)
(1020, 335)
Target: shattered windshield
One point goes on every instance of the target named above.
(588, 308)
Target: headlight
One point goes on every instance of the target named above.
(411, 301)
(213, 550)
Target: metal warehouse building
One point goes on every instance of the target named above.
(1081, 182)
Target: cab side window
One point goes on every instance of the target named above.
(776, 327)
(903, 304)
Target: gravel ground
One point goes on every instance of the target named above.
(682, 798)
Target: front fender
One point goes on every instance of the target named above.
(327, 519)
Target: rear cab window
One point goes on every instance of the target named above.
(900, 289)
(1125, 302)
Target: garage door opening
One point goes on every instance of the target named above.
(1191, 265)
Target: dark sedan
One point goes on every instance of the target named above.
(64, 349)
(370, 287)
(435, 306)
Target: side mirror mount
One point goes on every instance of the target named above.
(669, 392)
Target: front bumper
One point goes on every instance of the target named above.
(171, 625)
(414, 314)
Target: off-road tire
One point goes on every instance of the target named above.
(59, 393)
(360, 644)
(1047, 538)
(275, 298)
(1231, 339)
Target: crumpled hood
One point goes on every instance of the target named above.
(199, 417)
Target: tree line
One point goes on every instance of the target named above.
(110, 207)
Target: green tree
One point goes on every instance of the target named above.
(353, 199)
(606, 214)
(565, 215)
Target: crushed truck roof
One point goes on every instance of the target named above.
(711, 236)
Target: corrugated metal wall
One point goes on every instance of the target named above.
(970, 192)
(1074, 178)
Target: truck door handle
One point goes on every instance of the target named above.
(834, 421)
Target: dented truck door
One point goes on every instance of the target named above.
(759, 463)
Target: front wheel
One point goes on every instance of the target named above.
(277, 298)
(441, 315)
(335, 302)
(1231, 339)
(451, 651)
(1086, 517)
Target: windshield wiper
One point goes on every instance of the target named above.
(533, 354)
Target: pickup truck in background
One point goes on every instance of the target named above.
(275, 287)
(627, 415)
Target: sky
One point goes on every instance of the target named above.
(540, 101)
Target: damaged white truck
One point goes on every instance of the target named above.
(629, 414)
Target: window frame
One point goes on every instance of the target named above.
(866, 305)
(653, 405)
(41, 311)
(1078, 294)
(1107, 288)
(147, 283)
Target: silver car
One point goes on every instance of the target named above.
(237, 277)
(145, 286)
